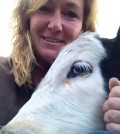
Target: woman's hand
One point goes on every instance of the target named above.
(112, 106)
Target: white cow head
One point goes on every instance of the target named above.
(70, 97)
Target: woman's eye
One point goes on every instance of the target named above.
(71, 15)
(44, 9)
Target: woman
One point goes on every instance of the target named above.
(40, 29)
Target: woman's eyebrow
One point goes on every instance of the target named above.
(72, 5)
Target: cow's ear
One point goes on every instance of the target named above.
(117, 41)
(118, 36)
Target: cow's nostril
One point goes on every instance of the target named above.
(11, 131)
(3, 131)
(1, 127)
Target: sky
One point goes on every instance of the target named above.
(109, 17)
(108, 21)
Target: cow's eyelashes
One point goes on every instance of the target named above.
(79, 69)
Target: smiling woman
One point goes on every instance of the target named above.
(47, 44)
(108, 22)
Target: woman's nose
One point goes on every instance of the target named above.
(55, 23)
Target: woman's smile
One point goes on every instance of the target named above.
(52, 40)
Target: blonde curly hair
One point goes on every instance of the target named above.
(22, 56)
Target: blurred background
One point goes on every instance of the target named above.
(108, 21)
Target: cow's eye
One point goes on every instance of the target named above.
(79, 69)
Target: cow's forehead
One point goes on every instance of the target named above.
(86, 46)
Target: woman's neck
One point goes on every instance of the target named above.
(39, 72)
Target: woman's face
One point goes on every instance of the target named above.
(53, 25)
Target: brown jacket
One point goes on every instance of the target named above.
(12, 97)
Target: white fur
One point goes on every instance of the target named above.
(66, 106)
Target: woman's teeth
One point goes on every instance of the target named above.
(52, 40)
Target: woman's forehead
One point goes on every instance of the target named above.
(72, 2)
(67, 3)
(78, 4)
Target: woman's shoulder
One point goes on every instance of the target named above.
(7, 82)
(6, 77)
(12, 97)
(5, 66)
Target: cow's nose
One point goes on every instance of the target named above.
(11, 131)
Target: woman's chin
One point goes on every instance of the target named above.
(49, 57)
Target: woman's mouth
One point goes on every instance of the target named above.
(52, 40)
